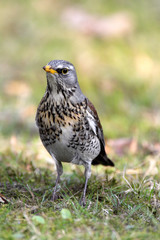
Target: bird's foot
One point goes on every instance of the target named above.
(54, 197)
(82, 202)
(55, 194)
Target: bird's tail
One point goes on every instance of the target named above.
(104, 160)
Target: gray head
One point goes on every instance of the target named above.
(62, 77)
(61, 72)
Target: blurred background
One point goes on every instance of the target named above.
(114, 46)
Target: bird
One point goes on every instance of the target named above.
(68, 123)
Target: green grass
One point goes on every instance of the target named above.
(121, 77)
(119, 204)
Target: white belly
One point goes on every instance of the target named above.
(61, 152)
(59, 149)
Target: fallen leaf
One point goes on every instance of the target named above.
(38, 219)
(3, 199)
(152, 168)
(151, 148)
(133, 171)
(115, 25)
(66, 214)
(122, 145)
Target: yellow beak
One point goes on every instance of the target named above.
(49, 69)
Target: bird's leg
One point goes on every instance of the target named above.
(59, 173)
(87, 174)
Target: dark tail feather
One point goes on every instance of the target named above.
(104, 160)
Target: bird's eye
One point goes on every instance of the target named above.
(64, 71)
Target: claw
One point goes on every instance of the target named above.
(54, 196)
(82, 202)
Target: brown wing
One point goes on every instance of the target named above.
(102, 157)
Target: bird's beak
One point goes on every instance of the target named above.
(49, 69)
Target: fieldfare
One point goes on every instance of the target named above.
(68, 123)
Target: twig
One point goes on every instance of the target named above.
(124, 171)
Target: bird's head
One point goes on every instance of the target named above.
(62, 80)
(61, 74)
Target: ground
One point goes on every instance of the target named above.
(120, 75)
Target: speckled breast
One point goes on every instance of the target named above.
(63, 127)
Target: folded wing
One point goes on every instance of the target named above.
(95, 124)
